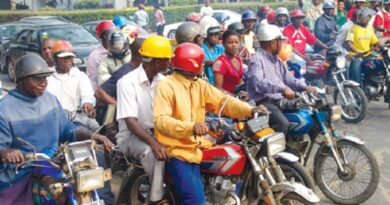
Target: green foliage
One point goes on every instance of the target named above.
(87, 4)
(172, 13)
(182, 2)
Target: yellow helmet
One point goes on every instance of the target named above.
(156, 47)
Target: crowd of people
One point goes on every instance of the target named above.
(152, 101)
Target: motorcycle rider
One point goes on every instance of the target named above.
(269, 81)
(298, 35)
(326, 27)
(135, 113)
(282, 18)
(210, 30)
(47, 53)
(118, 54)
(359, 4)
(248, 19)
(375, 5)
(314, 11)
(72, 87)
(30, 113)
(360, 38)
(242, 51)
(100, 53)
(382, 20)
(180, 106)
(188, 32)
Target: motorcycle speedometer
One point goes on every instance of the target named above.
(340, 62)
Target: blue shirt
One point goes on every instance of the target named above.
(211, 55)
(110, 85)
(41, 121)
(267, 77)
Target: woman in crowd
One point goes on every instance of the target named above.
(228, 68)
(341, 13)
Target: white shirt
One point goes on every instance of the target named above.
(135, 96)
(206, 11)
(72, 89)
(141, 18)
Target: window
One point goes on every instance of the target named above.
(23, 38)
(34, 37)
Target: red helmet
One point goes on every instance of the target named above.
(297, 13)
(271, 17)
(103, 26)
(188, 57)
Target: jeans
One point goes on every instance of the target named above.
(187, 181)
(105, 193)
(160, 29)
(277, 120)
(355, 70)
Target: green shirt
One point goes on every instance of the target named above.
(341, 18)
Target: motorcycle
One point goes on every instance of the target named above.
(344, 169)
(329, 71)
(72, 176)
(240, 171)
(347, 93)
(376, 75)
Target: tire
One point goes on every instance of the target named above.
(171, 34)
(292, 198)
(297, 171)
(10, 70)
(136, 196)
(363, 195)
(361, 99)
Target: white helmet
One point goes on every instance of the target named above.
(206, 23)
(282, 10)
(269, 32)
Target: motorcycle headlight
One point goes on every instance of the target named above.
(340, 62)
(88, 180)
(274, 144)
(77, 61)
(336, 112)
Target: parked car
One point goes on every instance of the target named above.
(30, 41)
(45, 20)
(170, 29)
(91, 27)
(7, 32)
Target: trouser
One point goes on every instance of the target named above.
(277, 120)
(105, 193)
(19, 193)
(187, 181)
(160, 29)
(153, 168)
(85, 121)
(355, 70)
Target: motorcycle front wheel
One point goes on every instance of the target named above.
(297, 171)
(360, 180)
(294, 199)
(355, 109)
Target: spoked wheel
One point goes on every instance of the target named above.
(355, 108)
(359, 180)
(139, 190)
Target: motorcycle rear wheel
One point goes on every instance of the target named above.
(139, 190)
(361, 100)
(340, 183)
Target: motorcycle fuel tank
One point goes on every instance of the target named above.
(300, 122)
(226, 159)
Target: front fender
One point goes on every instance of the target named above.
(352, 139)
(350, 83)
(297, 188)
(286, 156)
(323, 149)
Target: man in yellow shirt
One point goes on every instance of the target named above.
(180, 106)
(359, 40)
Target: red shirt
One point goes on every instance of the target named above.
(350, 12)
(299, 38)
(231, 76)
(382, 20)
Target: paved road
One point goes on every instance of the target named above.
(374, 130)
